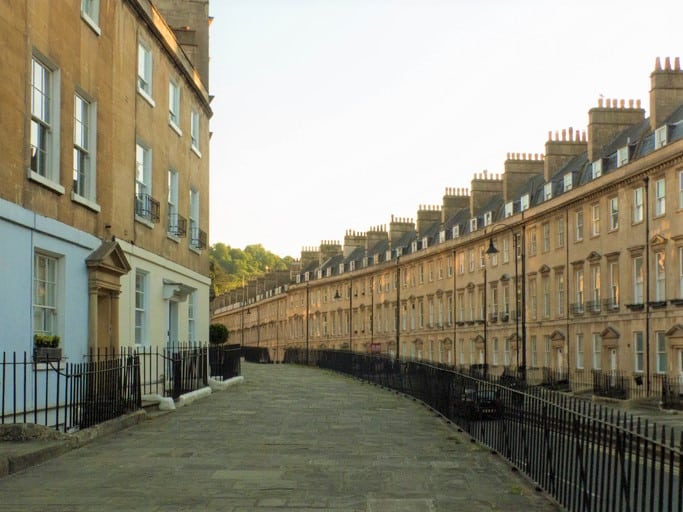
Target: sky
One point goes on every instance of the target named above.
(334, 115)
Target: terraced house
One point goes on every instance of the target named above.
(104, 154)
(568, 263)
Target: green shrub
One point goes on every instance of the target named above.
(218, 333)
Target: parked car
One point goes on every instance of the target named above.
(481, 403)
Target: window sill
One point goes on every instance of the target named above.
(195, 250)
(91, 23)
(144, 222)
(196, 151)
(173, 238)
(175, 128)
(46, 182)
(146, 97)
(85, 202)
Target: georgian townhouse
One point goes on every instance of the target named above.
(570, 261)
(105, 165)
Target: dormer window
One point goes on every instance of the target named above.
(568, 182)
(473, 225)
(524, 202)
(509, 209)
(387, 256)
(364, 263)
(425, 242)
(661, 136)
(442, 236)
(298, 278)
(307, 276)
(488, 218)
(456, 231)
(623, 155)
(547, 191)
(341, 268)
(328, 272)
(597, 168)
(413, 246)
(352, 266)
(319, 274)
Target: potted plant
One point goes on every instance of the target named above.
(46, 348)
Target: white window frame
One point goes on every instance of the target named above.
(680, 189)
(141, 304)
(524, 202)
(595, 219)
(568, 181)
(546, 236)
(473, 224)
(174, 106)
(533, 245)
(596, 169)
(193, 219)
(637, 205)
(560, 232)
(579, 352)
(680, 272)
(143, 176)
(45, 121)
(145, 72)
(597, 351)
(580, 294)
(509, 209)
(191, 317)
(545, 284)
(195, 132)
(661, 352)
(488, 218)
(613, 213)
(660, 197)
(172, 202)
(660, 276)
(614, 283)
(84, 185)
(661, 138)
(578, 226)
(559, 286)
(623, 156)
(638, 352)
(638, 282)
(547, 191)
(90, 13)
(595, 285)
(46, 293)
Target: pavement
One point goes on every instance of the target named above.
(288, 438)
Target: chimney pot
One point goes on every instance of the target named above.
(677, 63)
(599, 102)
(658, 64)
(667, 64)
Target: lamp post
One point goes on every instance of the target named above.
(337, 296)
(516, 248)
(398, 307)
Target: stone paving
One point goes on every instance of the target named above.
(289, 438)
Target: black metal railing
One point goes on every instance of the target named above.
(586, 456)
(577, 308)
(198, 238)
(177, 225)
(67, 396)
(224, 361)
(147, 207)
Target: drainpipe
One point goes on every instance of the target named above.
(646, 180)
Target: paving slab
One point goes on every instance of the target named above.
(289, 438)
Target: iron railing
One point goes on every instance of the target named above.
(224, 361)
(177, 225)
(587, 457)
(147, 207)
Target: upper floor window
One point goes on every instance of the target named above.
(488, 218)
(174, 106)
(45, 124)
(194, 131)
(174, 221)
(660, 197)
(638, 280)
(146, 207)
(661, 136)
(524, 202)
(680, 189)
(596, 168)
(547, 191)
(595, 219)
(660, 277)
(613, 213)
(680, 272)
(532, 242)
(140, 307)
(568, 182)
(471, 259)
(84, 148)
(578, 234)
(509, 209)
(623, 156)
(638, 204)
(145, 71)
(473, 224)
(196, 234)
(546, 237)
(506, 250)
(90, 12)
(560, 232)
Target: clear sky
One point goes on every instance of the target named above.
(335, 114)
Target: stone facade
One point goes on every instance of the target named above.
(100, 104)
(586, 272)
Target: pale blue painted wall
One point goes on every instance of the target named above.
(21, 233)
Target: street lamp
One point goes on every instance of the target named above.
(519, 305)
(337, 296)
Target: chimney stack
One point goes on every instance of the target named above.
(376, 235)
(353, 240)
(398, 227)
(666, 93)
(561, 148)
(519, 169)
(608, 119)
(309, 256)
(329, 249)
(427, 216)
(484, 187)
(454, 200)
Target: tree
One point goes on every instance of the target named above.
(218, 333)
